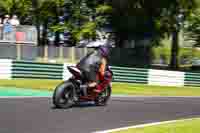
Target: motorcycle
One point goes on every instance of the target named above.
(70, 93)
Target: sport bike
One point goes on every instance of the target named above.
(70, 93)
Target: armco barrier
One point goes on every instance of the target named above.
(11, 69)
(23, 34)
(192, 79)
(36, 70)
(131, 75)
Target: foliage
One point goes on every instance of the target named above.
(6, 5)
(131, 19)
(22, 8)
(85, 18)
(192, 29)
(141, 16)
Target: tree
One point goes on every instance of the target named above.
(192, 29)
(132, 19)
(85, 17)
(6, 6)
(178, 14)
(43, 11)
(18, 7)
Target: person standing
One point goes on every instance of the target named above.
(7, 29)
(6, 18)
(15, 21)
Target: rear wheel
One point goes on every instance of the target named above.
(63, 96)
(103, 98)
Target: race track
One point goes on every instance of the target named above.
(37, 115)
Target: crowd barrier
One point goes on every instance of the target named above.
(23, 34)
(11, 69)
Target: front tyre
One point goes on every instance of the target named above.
(63, 96)
(103, 98)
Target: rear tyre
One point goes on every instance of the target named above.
(103, 98)
(63, 96)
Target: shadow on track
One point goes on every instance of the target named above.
(80, 105)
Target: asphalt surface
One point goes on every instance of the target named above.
(37, 115)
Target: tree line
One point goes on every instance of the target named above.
(129, 19)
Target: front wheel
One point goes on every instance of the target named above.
(104, 96)
(63, 96)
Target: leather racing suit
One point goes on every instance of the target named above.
(91, 65)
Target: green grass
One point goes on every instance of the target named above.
(186, 126)
(147, 90)
(38, 84)
(118, 88)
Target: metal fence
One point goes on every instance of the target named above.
(21, 34)
(42, 53)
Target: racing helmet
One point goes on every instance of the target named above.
(104, 51)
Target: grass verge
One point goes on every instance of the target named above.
(149, 90)
(186, 126)
(118, 88)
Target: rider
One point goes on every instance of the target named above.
(95, 67)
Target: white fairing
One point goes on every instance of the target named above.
(76, 69)
(66, 73)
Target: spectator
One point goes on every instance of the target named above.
(7, 30)
(6, 19)
(14, 21)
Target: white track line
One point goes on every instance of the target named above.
(142, 125)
